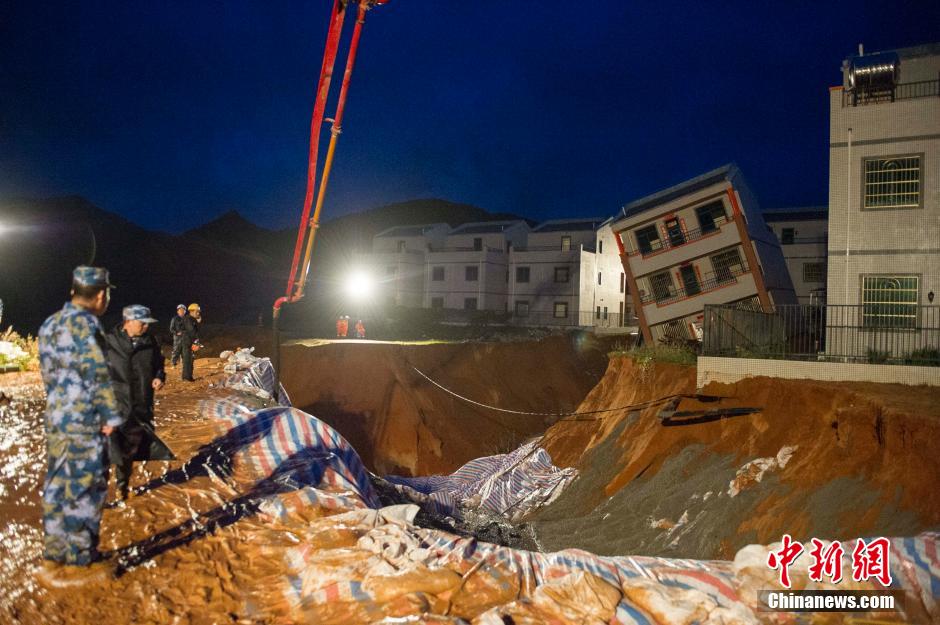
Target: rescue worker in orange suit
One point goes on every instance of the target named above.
(342, 327)
(360, 330)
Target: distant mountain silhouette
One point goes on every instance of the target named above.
(232, 267)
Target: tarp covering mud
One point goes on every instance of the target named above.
(271, 517)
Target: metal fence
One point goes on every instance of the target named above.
(903, 91)
(841, 333)
(534, 318)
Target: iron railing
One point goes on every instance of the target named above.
(904, 91)
(688, 236)
(466, 248)
(712, 281)
(827, 332)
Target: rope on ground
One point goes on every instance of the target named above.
(644, 404)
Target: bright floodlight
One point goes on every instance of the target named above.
(360, 285)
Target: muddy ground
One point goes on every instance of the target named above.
(860, 460)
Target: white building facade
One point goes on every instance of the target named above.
(884, 201)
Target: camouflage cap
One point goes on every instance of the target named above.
(137, 312)
(91, 276)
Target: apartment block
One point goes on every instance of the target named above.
(703, 241)
(884, 196)
(469, 268)
(802, 233)
(551, 276)
(398, 261)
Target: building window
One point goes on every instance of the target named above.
(401, 246)
(674, 232)
(522, 274)
(522, 308)
(437, 302)
(471, 274)
(600, 246)
(565, 243)
(470, 303)
(727, 265)
(597, 315)
(787, 235)
(477, 244)
(814, 272)
(647, 239)
(437, 274)
(710, 216)
(598, 277)
(623, 281)
(605, 313)
(689, 280)
(890, 301)
(661, 285)
(892, 182)
(561, 310)
(561, 274)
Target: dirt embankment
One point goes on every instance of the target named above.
(400, 423)
(833, 460)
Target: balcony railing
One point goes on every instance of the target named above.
(688, 236)
(468, 248)
(904, 91)
(552, 248)
(714, 280)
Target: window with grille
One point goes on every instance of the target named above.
(890, 301)
(787, 235)
(401, 246)
(561, 274)
(522, 308)
(710, 216)
(472, 274)
(566, 243)
(522, 274)
(437, 274)
(477, 244)
(814, 272)
(647, 239)
(661, 285)
(561, 310)
(726, 265)
(470, 303)
(892, 182)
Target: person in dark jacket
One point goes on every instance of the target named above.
(176, 331)
(190, 323)
(136, 367)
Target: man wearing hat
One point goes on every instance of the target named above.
(81, 412)
(176, 330)
(136, 366)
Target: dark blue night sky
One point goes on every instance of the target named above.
(172, 112)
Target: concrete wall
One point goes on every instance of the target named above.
(613, 291)
(730, 370)
(809, 246)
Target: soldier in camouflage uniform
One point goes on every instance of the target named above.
(81, 411)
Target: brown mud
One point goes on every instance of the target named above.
(864, 462)
(401, 424)
(840, 460)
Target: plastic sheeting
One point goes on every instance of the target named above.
(252, 374)
(364, 564)
(509, 485)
